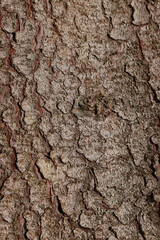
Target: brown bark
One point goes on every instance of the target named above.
(80, 148)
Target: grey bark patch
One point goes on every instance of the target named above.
(93, 105)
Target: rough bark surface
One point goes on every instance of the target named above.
(80, 140)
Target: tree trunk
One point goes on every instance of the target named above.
(80, 141)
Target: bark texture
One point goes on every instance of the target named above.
(79, 139)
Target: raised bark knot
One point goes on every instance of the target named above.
(92, 105)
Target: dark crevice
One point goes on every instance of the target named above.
(39, 172)
(141, 230)
(150, 198)
(117, 114)
(117, 218)
(76, 27)
(140, 47)
(108, 35)
(154, 144)
(14, 37)
(59, 207)
(3, 182)
(25, 229)
(132, 9)
(148, 72)
(154, 93)
(15, 159)
(30, 7)
(4, 219)
(83, 200)
(40, 228)
(153, 170)
(130, 154)
(55, 28)
(44, 138)
(133, 77)
(10, 63)
(21, 122)
(113, 231)
(95, 183)
(50, 2)
(103, 9)
(66, 6)
(95, 110)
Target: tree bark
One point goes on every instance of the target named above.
(80, 141)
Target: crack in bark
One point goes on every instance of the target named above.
(113, 231)
(141, 230)
(148, 74)
(59, 207)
